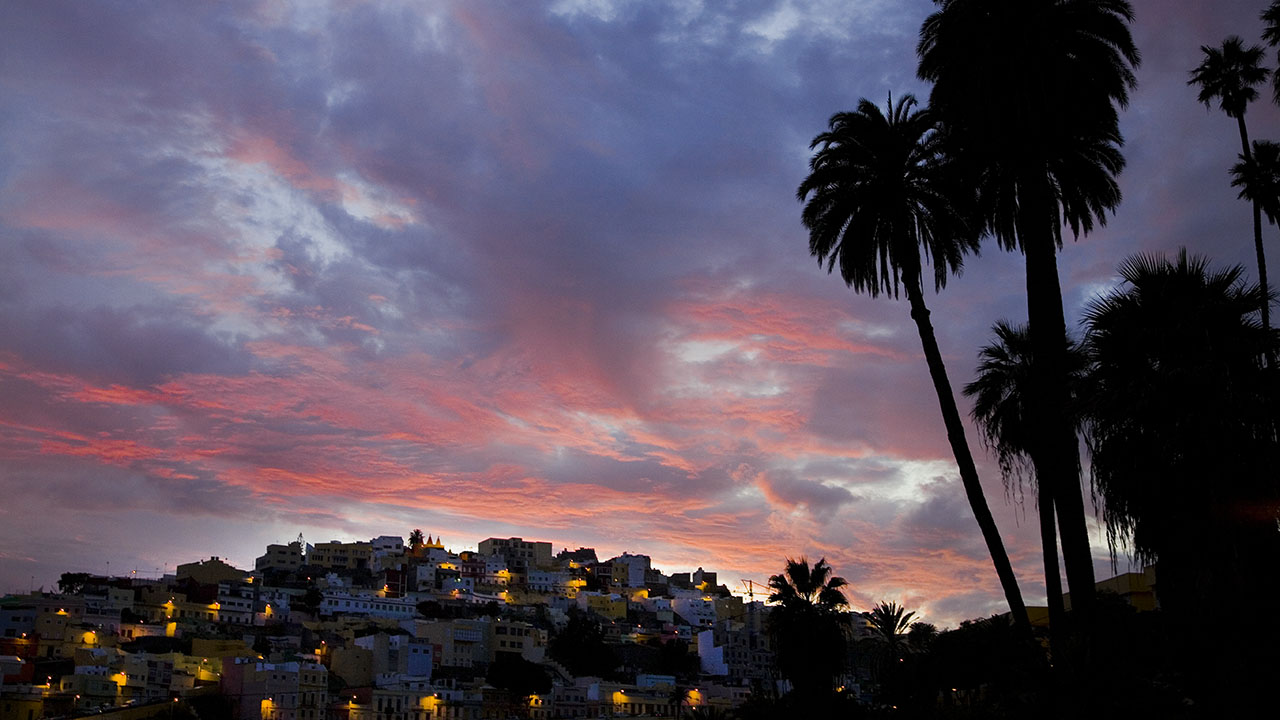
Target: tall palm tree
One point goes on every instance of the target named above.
(807, 627)
(1180, 396)
(879, 193)
(1028, 92)
(1000, 395)
(1230, 74)
(1258, 177)
(1183, 426)
(1271, 35)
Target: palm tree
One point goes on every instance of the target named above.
(1230, 75)
(1271, 35)
(890, 622)
(1028, 92)
(999, 409)
(921, 636)
(678, 698)
(808, 626)
(879, 192)
(1258, 177)
(415, 539)
(1180, 396)
(1183, 427)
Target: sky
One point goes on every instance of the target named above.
(533, 269)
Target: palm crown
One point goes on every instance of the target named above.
(802, 586)
(1258, 177)
(1000, 393)
(1229, 75)
(1029, 89)
(880, 190)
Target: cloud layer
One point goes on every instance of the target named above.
(350, 268)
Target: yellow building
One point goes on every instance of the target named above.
(337, 555)
(280, 557)
(211, 572)
(1138, 589)
(217, 648)
(610, 606)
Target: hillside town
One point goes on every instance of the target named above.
(382, 629)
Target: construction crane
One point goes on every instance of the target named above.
(751, 585)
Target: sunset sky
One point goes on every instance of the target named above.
(508, 268)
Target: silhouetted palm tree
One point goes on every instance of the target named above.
(415, 539)
(1179, 397)
(890, 622)
(1183, 426)
(808, 626)
(1028, 92)
(879, 193)
(1000, 394)
(678, 698)
(1271, 35)
(1258, 177)
(921, 636)
(1230, 74)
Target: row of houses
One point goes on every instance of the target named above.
(374, 629)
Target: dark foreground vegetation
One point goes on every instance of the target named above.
(1171, 388)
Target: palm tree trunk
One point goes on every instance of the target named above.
(964, 458)
(1052, 573)
(1262, 266)
(1247, 153)
(1048, 417)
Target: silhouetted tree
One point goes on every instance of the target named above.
(1230, 74)
(523, 678)
(415, 539)
(71, 583)
(1000, 394)
(312, 600)
(879, 193)
(580, 647)
(889, 621)
(519, 679)
(1271, 35)
(1258, 177)
(1182, 425)
(1180, 397)
(807, 628)
(1028, 91)
(921, 636)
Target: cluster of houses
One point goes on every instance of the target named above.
(381, 630)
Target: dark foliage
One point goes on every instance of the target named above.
(808, 628)
(518, 676)
(580, 647)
